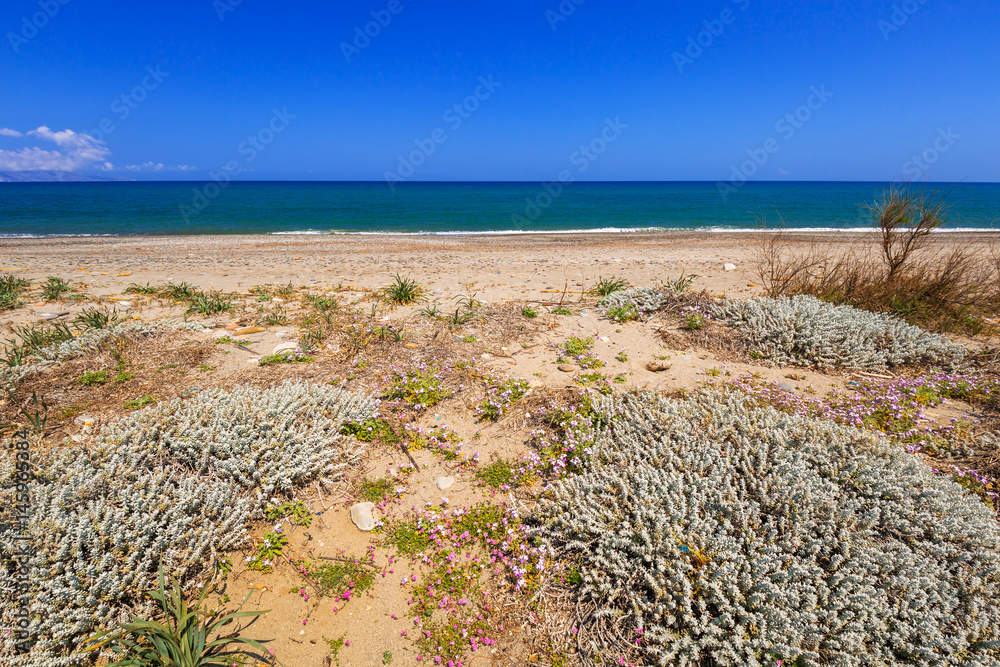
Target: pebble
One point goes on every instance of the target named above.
(444, 482)
(485, 356)
(233, 326)
(784, 386)
(361, 515)
(247, 330)
(657, 365)
(685, 356)
(567, 368)
(281, 347)
(729, 267)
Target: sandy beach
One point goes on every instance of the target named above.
(494, 266)
(514, 335)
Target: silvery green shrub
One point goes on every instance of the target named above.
(179, 481)
(719, 533)
(805, 331)
(644, 299)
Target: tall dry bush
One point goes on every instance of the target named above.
(898, 269)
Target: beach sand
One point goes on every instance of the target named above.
(503, 272)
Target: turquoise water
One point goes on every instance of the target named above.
(133, 208)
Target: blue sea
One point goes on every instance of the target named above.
(171, 208)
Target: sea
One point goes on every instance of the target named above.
(281, 207)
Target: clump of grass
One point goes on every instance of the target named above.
(608, 286)
(371, 430)
(577, 350)
(147, 289)
(403, 291)
(141, 402)
(529, 312)
(408, 538)
(35, 337)
(94, 378)
(54, 287)
(343, 578)
(276, 318)
(209, 303)
(562, 310)
(182, 292)
(183, 630)
(11, 288)
(501, 474)
(325, 304)
(95, 318)
(374, 490)
(296, 356)
(295, 511)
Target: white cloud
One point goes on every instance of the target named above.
(86, 147)
(76, 150)
(29, 159)
(7, 132)
(158, 166)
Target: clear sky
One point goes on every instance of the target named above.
(657, 90)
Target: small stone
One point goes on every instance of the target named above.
(247, 330)
(658, 365)
(784, 386)
(361, 515)
(444, 482)
(285, 347)
(729, 267)
(124, 304)
(685, 356)
(233, 326)
(567, 368)
(485, 356)
(411, 346)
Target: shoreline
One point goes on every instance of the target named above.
(496, 267)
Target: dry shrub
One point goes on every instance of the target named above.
(897, 270)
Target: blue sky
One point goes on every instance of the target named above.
(758, 89)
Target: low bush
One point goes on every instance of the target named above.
(806, 331)
(711, 531)
(177, 482)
